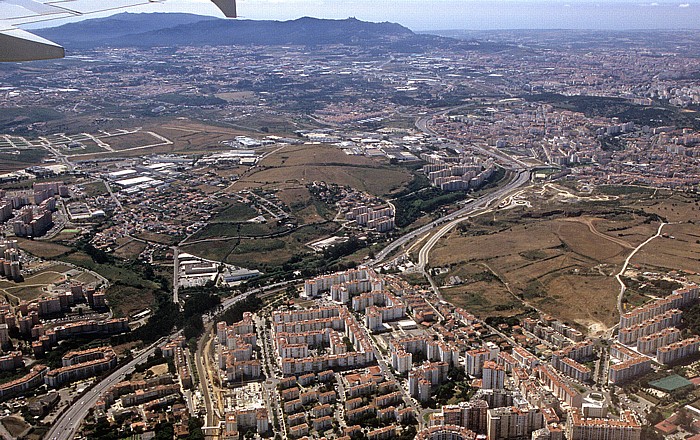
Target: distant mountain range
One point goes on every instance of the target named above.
(148, 30)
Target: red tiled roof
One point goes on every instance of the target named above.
(666, 427)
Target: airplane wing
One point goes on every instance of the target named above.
(19, 45)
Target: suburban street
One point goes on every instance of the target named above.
(66, 425)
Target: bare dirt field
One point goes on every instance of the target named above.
(561, 256)
(15, 425)
(676, 207)
(481, 292)
(303, 164)
(194, 136)
(188, 137)
(131, 249)
(131, 140)
(43, 249)
(549, 263)
(680, 250)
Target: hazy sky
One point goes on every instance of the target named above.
(421, 15)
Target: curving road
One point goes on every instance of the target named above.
(480, 206)
(67, 424)
(618, 277)
(519, 179)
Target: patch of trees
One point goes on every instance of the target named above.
(691, 317)
(612, 143)
(340, 250)
(199, 301)
(495, 321)
(652, 287)
(420, 181)
(411, 207)
(190, 100)
(153, 360)
(235, 313)
(99, 256)
(165, 316)
(194, 425)
(307, 264)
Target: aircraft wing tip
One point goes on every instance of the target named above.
(228, 7)
(20, 45)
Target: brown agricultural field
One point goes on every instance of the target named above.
(297, 165)
(158, 238)
(481, 291)
(42, 249)
(33, 285)
(127, 300)
(581, 238)
(192, 136)
(187, 137)
(15, 426)
(130, 250)
(302, 205)
(138, 139)
(562, 254)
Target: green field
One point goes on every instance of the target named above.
(33, 286)
(25, 158)
(236, 212)
(94, 189)
(233, 230)
(264, 253)
(43, 249)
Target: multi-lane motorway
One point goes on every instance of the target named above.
(476, 207)
(518, 179)
(520, 175)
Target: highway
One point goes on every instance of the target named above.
(67, 424)
(205, 383)
(176, 274)
(64, 428)
(476, 208)
(519, 179)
